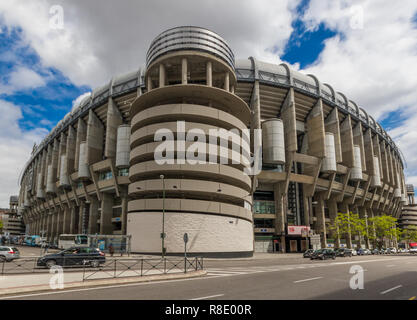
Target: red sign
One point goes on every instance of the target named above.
(298, 230)
(413, 244)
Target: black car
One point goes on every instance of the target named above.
(323, 254)
(343, 252)
(74, 256)
(308, 253)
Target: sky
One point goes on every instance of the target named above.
(52, 52)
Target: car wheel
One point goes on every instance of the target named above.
(333, 257)
(50, 263)
(2, 258)
(94, 263)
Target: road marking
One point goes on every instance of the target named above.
(208, 297)
(390, 265)
(389, 290)
(310, 279)
(412, 298)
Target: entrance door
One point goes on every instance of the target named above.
(293, 245)
(303, 245)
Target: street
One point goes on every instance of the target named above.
(389, 277)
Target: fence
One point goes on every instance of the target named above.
(99, 267)
(116, 268)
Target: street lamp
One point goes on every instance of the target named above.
(163, 215)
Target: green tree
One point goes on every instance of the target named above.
(385, 226)
(347, 222)
(409, 234)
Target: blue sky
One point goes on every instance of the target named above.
(41, 106)
(366, 49)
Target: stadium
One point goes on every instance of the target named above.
(95, 172)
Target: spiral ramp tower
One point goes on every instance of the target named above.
(190, 81)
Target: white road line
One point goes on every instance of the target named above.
(310, 279)
(390, 265)
(208, 297)
(389, 290)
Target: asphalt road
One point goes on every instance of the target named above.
(388, 277)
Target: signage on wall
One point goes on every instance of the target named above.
(298, 230)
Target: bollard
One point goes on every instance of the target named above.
(141, 267)
(115, 268)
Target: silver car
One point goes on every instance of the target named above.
(8, 253)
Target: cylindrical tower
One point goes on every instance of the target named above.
(185, 157)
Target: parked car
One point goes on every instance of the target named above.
(308, 253)
(323, 254)
(367, 251)
(343, 252)
(413, 250)
(392, 250)
(375, 251)
(9, 253)
(74, 256)
(402, 250)
(360, 252)
(354, 252)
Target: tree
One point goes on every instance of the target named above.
(346, 223)
(409, 234)
(385, 226)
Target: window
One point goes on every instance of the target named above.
(105, 175)
(263, 223)
(264, 207)
(124, 172)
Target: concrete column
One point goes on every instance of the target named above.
(67, 220)
(332, 205)
(73, 220)
(80, 137)
(321, 221)
(184, 71)
(93, 216)
(226, 81)
(162, 76)
(106, 226)
(124, 213)
(94, 139)
(53, 225)
(80, 217)
(209, 74)
(70, 151)
(114, 120)
(149, 83)
(344, 207)
(59, 222)
(280, 214)
(363, 215)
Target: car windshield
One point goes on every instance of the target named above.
(319, 251)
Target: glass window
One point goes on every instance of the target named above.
(105, 175)
(124, 172)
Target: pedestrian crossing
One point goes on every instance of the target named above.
(233, 271)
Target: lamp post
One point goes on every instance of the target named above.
(163, 215)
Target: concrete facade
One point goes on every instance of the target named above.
(72, 176)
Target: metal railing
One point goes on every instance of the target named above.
(97, 267)
(117, 268)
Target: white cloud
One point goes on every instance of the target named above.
(103, 38)
(15, 148)
(375, 66)
(80, 98)
(20, 79)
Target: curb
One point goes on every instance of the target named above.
(99, 283)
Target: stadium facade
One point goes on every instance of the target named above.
(321, 154)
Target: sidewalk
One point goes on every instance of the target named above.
(28, 283)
